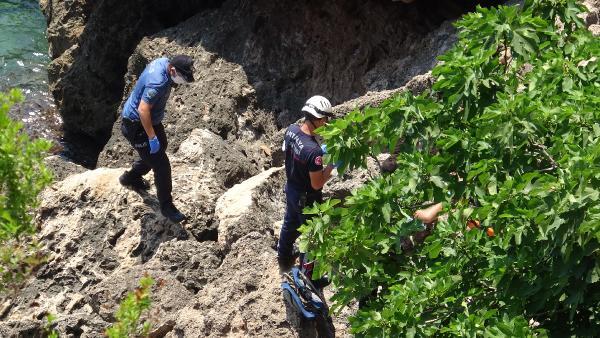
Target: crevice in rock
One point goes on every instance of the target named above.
(5, 308)
(162, 330)
(235, 178)
(114, 238)
(75, 330)
(210, 234)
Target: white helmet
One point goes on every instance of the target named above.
(318, 106)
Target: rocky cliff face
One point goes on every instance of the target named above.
(90, 42)
(256, 61)
(216, 273)
(101, 238)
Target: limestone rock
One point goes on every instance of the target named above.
(100, 239)
(416, 85)
(241, 208)
(341, 186)
(242, 300)
(66, 21)
(592, 17)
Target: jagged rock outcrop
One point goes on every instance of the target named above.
(233, 209)
(216, 273)
(257, 61)
(102, 238)
(230, 99)
(90, 42)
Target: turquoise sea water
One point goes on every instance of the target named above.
(23, 64)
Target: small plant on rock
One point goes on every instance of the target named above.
(130, 311)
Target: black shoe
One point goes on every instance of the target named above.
(169, 211)
(134, 182)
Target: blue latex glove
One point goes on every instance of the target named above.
(338, 163)
(154, 145)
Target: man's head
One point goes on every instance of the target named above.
(181, 69)
(317, 110)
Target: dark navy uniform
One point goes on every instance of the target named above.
(302, 155)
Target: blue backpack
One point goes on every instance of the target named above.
(307, 305)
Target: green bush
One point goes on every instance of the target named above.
(48, 328)
(509, 135)
(130, 311)
(22, 177)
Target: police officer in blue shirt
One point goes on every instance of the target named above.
(142, 116)
(305, 174)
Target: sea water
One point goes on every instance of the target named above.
(23, 64)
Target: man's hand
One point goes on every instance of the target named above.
(154, 145)
(338, 163)
(428, 215)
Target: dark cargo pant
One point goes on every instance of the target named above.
(159, 162)
(296, 200)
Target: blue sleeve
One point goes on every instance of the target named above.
(151, 95)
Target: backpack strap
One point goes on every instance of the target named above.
(295, 299)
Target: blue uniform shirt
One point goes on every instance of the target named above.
(153, 87)
(302, 155)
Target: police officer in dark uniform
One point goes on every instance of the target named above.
(305, 174)
(142, 116)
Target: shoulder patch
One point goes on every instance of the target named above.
(319, 160)
(152, 93)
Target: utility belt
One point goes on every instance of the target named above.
(134, 133)
(129, 122)
(135, 123)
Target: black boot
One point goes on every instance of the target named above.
(169, 210)
(133, 181)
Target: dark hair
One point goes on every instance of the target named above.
(310, 117)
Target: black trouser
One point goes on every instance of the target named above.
(159, 162)
(296, 200)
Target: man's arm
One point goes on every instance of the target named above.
(320, 177)
(146, 118)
